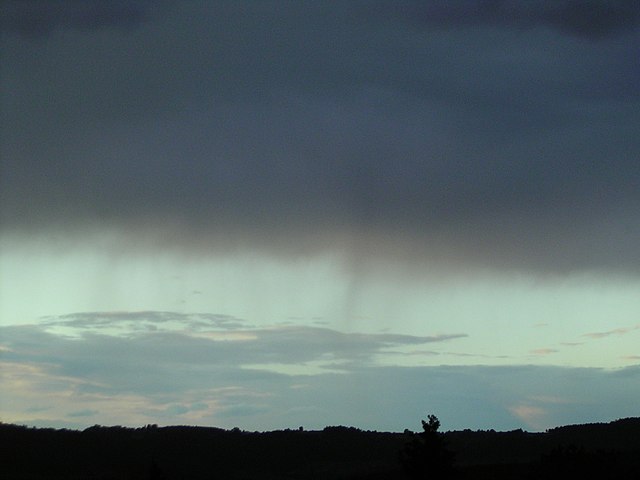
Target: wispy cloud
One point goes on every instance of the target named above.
(615, 331)
(533, 416)
(128, 323)
(543, 351)
(536, 411)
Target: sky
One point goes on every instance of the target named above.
(274, 214)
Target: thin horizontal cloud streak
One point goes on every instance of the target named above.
(130, 322)
(543, 351)
(615, 331)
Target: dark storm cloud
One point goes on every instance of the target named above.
(588, 18)
(38, 18)
(302, 127)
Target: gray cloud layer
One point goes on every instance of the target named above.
(444, 130)
(214, 339)
(180, 377)
(38, 18)
(589, 18)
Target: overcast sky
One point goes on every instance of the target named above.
(271, 214)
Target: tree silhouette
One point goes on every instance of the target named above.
(426, 455)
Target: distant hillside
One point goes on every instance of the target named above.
(334, 453)
(482, 447)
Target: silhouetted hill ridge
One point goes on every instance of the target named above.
(190, 452)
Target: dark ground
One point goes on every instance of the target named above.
(610, 451)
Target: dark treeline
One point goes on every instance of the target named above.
(609, 450)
